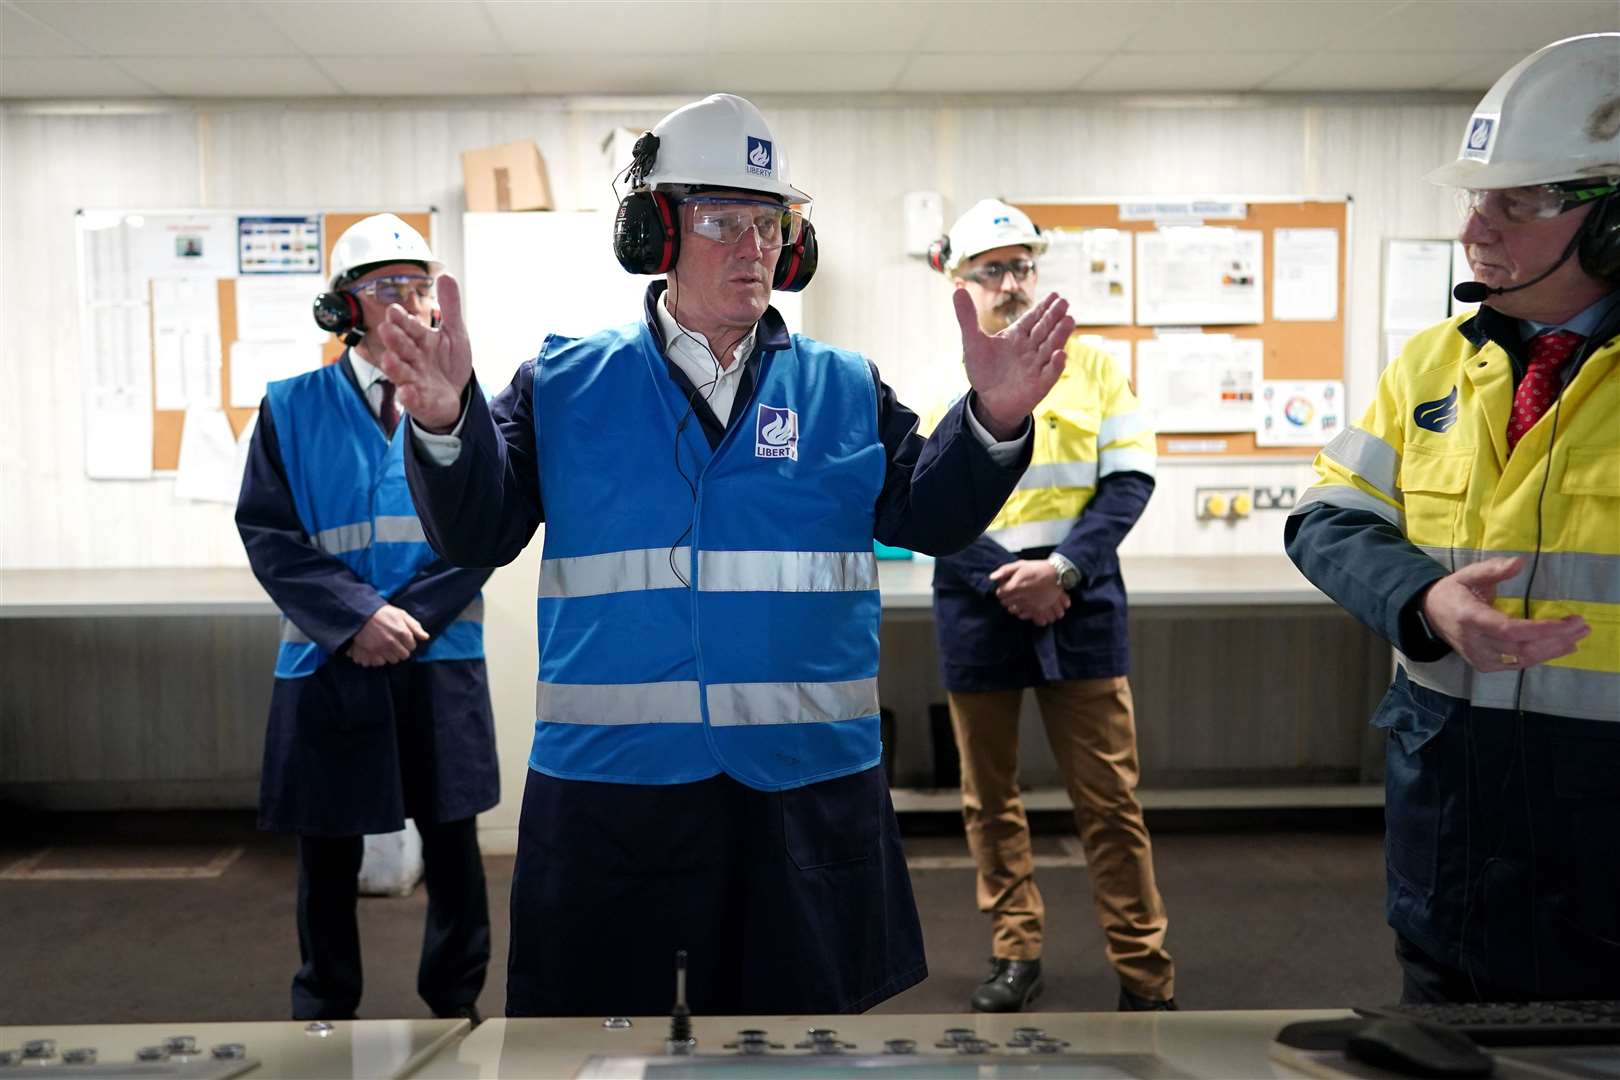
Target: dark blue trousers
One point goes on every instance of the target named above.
(455, 944)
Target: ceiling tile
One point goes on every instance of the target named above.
(1465, 25)
(367, 76)
(989, 73)
(598, 73)
(21, 35)
(162, 27)
(607, 27)
(827, 26)
(68, 77)
(1035, 26)
(1257, 25)
(232, 76)
(388, 28)
(1330, 71)
(798, 73)
(1224, 72)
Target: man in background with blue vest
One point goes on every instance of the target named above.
(1472, 518)
(1038, 602)
(706, 767)
(381, 709)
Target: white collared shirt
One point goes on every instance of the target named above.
(689, 351)
(370, 378)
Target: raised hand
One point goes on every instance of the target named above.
(1013, 370)
(428, 367)
(1458, 608)
(389, 636)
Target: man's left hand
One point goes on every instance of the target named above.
(1029, 589)
(1013, 370)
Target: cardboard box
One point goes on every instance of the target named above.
(510, 177)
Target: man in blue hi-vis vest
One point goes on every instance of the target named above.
(380, 710)
(705, 773)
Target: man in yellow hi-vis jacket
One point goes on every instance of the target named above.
(1038, 602)
(1473, 519)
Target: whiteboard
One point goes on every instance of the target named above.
(545, 272)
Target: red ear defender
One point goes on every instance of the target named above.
(797, 264)
(939, 253)
(339, 313)
(646, 236)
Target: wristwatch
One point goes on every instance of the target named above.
(1068, 574)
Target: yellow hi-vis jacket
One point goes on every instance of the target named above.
(1431, 457)
(1088, 426)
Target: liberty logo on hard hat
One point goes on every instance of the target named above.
(759, 156)
(1478, 144)
(1438, 415)
(776, 433)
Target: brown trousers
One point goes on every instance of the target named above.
(1092, 731)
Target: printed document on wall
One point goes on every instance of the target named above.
(1091, 269)
(207, 458)
(255, 364)
(1300, 412)
(192, 245)
(1200, 382)
(1199, 276)
(1417, 279)
(277, 307)
(1305, 275)
(116, 362)
(185, 341)
(1117, 348)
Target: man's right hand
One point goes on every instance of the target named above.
(388, 637)
(429, 367)
(1458, 608)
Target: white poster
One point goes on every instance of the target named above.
(1091, 269)
(1305, 275)
(1200, 382)
(278, 307)
(1200, 276)
(256, 364)
(1300, 412)
(1417, 279)
(207, 470)
(201, 245)
(117, 393)
(185, 341)
(1460, 272)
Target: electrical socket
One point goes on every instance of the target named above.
(1277, 498)
(1203, 495)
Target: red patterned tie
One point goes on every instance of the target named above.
(1539, 387)
(388, 413)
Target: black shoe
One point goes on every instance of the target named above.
(468, 1013)
(1013, 985)
(1129, 1002)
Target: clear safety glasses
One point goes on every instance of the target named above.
(990, 274)
(1520, 205)
(725, 220)
(400, 289)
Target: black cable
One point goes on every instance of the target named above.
(691, 406)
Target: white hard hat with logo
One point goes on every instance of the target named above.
(375, 240)
(1554, 116)
(720, 142)
(987, 225)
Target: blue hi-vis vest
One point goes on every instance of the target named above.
(727, 621)
(348, 482)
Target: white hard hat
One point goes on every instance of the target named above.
(723, 142)
(1554, 116)
(989, 224)
(378, 239)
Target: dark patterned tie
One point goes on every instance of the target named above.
(1539, 387)
(388, 412)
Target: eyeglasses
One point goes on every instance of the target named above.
(399, 289)
(991, 274)
(726, 220)
(1521, 205)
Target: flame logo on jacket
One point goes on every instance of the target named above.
(776, 433)
(1438, 415)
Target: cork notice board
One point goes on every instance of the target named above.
(1293, 350)
(167, 424)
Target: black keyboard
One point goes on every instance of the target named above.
(1536, 1023)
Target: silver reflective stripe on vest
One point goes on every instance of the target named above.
(336, 541)
(1129, 459)
(1560, 575)
(1123, 426)
(473, 612)
(618, 703)
(615, 571)
(401, 529)
(1558, 691)
(786, 571)
(290, 634)
(740, 704)
(1369, 457)
(1350, 499)
(1059, 474)
(1032, 534)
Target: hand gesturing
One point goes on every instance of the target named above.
(429, 368)
(1013, 370)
